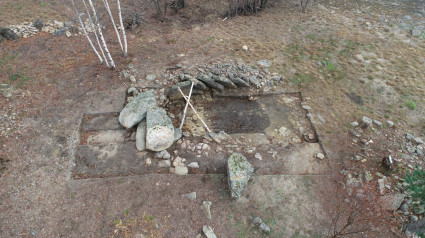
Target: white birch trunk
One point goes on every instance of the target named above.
(122, 29)
(101, 35)
(85, 32)
(95, 33)
(108, 9)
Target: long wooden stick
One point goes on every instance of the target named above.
(85, 32)
(101, 35)
(95, 33)
(108, 9)
(185, 108)
(122, 29)
(190, 104)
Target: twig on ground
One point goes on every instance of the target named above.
(190, 104)
(185, 108)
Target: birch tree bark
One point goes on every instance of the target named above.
(122, 29)
(86, 34)
(101, 35)
(108, 9)
(95, 33)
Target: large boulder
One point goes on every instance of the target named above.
(210, 82)
(135, 111)
(8, 34)
(160, 129)
(239, 170)
(141, 136)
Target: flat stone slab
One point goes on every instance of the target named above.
(106, 137)
(123, 159)
(103, 121)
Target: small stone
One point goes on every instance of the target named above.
(378, 123)
(352, 183)
(413, 218)
(354, 123)
(178, 161)
(177, 134)
(193, 165)
(179, 170)
(163, 154)
(367, 122)
(368, 176)
(151, 77)
(306, 107)
(206, 207)
(258, 156)
(38, 24)
(133, 79)
(320, 156)
(418, 209)
(409, 136)
(141, 136)
(191, 196)
(265, 63)
(164, 163)
(416, 32)
(239, 171)
(208, 231)
(381, 185)
(254, 81)
(390, 123)
(245, 48)
(148, 161)
(404, 207)
(260, 224)
(391, 202)
(418, 140)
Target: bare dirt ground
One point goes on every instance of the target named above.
(373, 67)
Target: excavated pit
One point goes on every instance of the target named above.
(274, 126)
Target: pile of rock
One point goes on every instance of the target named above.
(54, 27)
(219, 76)
(155, 131)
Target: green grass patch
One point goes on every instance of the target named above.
(411, 105)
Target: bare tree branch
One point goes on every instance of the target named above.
(122, 29)
(108, 9)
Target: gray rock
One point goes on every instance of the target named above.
(354, 123)
(368, 176)
(260, 224)
(413, 218)
(174, 93)
(352, 183)
(265, 63)
(208, 231)
(225, 82)
(378, 123)
(416, 32)
(418, 209)
(177, 134)
(164, 163)
(1, 38)
(210, 82)
(409, 136)
(8, 34)
(367, 122)
(133, 91)
(404, 207)
(133, 79)
(38, 24)
(141, 136)
(160, 129)
(381, 185)
(151, 77)
(391, 202)
(193, 165)
(239, 82)
(135, 111)
(418, 140)
(181, 170)
(60, 32)
(191, 196)
(206, 207)
(320, 156)
(390, 123)
(239, 170)
(163, 154)
(254, 81)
